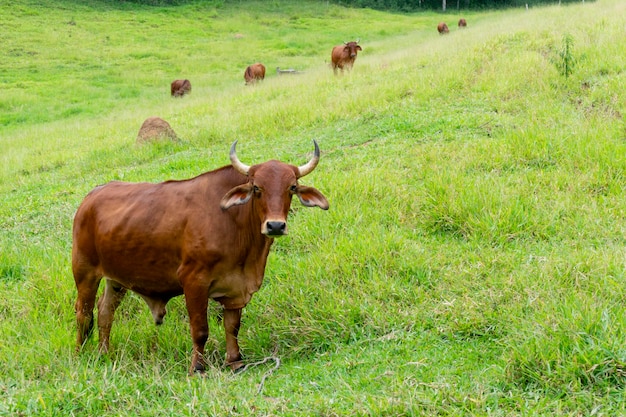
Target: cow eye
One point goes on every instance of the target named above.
(293, 188)
(256, 190)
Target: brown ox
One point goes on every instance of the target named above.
(205, 237)
(343, 56)
(462, 23)
(442, 28)
(254, 73)
(180, 87)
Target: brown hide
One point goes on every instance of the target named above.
(343, 56)
(442, 28)
(254, 73)
(462, 23)
(205, 237)
(180, 87)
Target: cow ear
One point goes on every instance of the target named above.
(237, 196)
(311, 197)
(359, 48)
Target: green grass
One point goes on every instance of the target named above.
(473, 258)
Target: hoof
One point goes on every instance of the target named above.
(237, 366)
(197, 369)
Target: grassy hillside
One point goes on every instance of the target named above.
(472, 261)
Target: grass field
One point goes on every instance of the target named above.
(472, 262)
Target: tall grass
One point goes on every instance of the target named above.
(472, 261)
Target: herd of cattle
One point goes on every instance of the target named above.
(206, 237)
(341, 57)
(442, 28)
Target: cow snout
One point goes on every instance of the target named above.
(275, 228)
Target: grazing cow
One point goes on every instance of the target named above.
(180, 87)
(343, 56)
(462, 23)
(204, 237)
(254, 73)
(442, 28)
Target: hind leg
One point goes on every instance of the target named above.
(87, 282)
(107, 304)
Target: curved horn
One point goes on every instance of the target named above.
(236, 162)
(310, 166)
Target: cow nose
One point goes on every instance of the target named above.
(276, 228)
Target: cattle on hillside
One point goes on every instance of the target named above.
(442, 28)
(207, 237)
(254, 73)
(462, 23)
(180, 87)
(343, 56)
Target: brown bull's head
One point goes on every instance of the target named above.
(351, 48)
(270, 187)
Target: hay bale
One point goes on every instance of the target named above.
(155, 128)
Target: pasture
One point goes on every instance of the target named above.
(472, 261)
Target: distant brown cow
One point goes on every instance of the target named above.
(343, 56)
(462, 23)
(254, 73)
(442, 28)
(207, 237)
(180, 87)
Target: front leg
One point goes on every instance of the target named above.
(232, 321)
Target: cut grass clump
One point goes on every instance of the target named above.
(571, 351)
(12, 273)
